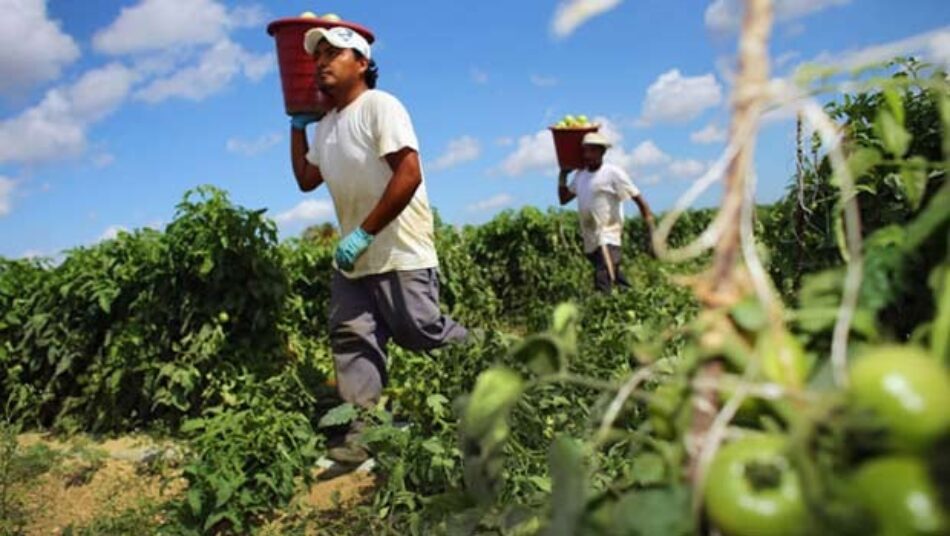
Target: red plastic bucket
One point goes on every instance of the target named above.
(297, 68)
(567, 145)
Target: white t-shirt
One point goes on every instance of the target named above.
(600, 197)
(349, 149)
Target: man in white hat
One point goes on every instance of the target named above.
(385, 285)
(601, 188)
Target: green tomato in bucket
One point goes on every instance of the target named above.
(308, 15)
(332, 17)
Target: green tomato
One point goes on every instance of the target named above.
(907, 389)
(753, 490)
(900, 495)
(223, 317)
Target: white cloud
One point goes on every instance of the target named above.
(932, 46)
(940, 47)
(255, 146)
(307, 211)
(460, 150)
(33, 48)
(724, 16)
(6, 195)
(711, 133)
(648, 154)
(111, 232)
(786, 58)
(505, 141)
(673, 98)
(153, 25)
(543, 81)
(56, 127)
(687, 168)
(534, 152)
(492, 203)
(570, 14)
(479, 76)
(247, 17)
(214, 70)
(32, 254)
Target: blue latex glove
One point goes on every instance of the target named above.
(300, 121)
(351, 247)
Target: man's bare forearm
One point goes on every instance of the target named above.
(407, 176)
(308, 177)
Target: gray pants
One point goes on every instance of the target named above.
(602, 281)
(367, 312)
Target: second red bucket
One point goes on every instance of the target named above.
(296, 67)
(567, 145)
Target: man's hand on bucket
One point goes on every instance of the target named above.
(351, 247)
(300, 121)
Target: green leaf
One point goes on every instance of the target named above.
(543, 483)
(437, 404)
(542, 354)
(914, 178)
(207, 264)
(105, 302)
(749, 314)
(569, 487)
(929, 220)
(222, 493)
(860, 162)
(496, 391)
(650, 512)
(940, 337)
(895, 104)
(648, 468)
(433, 446)
(193, 499)
(943, 107)
(892, 133)
(342, 414)
(564, 324)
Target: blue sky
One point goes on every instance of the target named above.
(111, 109)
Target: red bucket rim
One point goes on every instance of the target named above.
(586, 128)
(318, 23)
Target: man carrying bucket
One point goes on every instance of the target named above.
(600, 188)
(385, 285)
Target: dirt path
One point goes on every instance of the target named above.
(96, 479)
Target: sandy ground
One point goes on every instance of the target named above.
(94, 481)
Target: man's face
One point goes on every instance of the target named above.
(593, 155)
(337, 67)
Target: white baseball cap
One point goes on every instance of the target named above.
(595, 138)
(338, 36)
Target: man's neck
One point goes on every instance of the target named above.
(346, 96)
(595, 167)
